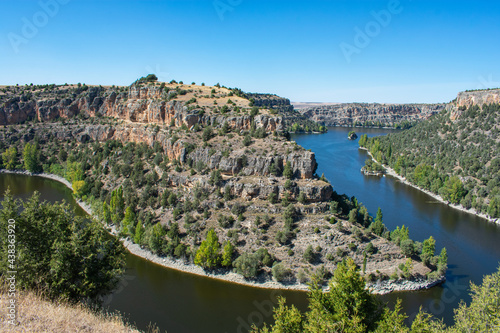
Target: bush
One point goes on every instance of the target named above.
(370, 248)
(309, 254)
(407, 248)
(247, 265)
(207, 133)
(280, 272)
(247, 140)
(238, 209)
(265, 257)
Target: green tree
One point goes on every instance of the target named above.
(61, 254)
(74, 171)
(309, 254)
(128, 222)
(78, 188)
(428, 250)
(207, 133)
(286, 320)
(442, 261)
(139, 233)
(302, 198)
(247, 265)
(155, 238)
(117, 205)
(378, 226)
(31, 158)
(208, 255)
(287, 171)
(353, 215)
(280, 272)
(392, 321)
(453, 190)
(494, 207)
(227, 254)
(483, 313)
(408, 248)
(247, 140)
(106, 214)
(9, 158)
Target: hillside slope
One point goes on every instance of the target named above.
(200, 174)
(455, 154)
(35, 314)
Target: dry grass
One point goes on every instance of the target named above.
(37, 315)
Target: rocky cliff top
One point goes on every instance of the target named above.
(466, 99)
(478, 97)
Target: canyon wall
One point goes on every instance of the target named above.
(351, 114)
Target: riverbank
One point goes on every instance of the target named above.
(382, 287)
(391, 172)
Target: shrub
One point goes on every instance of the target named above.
(280, 272)
(247, 265)
(309, 254)
(247, 140)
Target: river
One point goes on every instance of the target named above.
(471, 242)
(181, 303)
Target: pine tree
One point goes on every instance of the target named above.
(128, 222)
(9, 158)
(31, 158)
(139, 233)
(208, 255)
(428, 249)
(287, 171)
(227, 254)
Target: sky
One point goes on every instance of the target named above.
(390, 51)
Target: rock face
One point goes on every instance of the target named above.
(467, 99)
(141, 104)
(480, 97)
(362, 113)
(271, 101)
(303, 162)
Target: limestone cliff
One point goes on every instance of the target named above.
(151, 104)
(365, 114)
(467, 99)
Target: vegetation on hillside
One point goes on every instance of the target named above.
(57, 252)
(170, 197)
(457, 159)
(349, 307)
(130, 186)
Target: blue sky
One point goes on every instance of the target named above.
(316, 51)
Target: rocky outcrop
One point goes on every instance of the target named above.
(352, 114)
(254, 187)
(303, 162)
(479, 97)
(271, 102)
(467, 99)
(140, 104)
